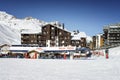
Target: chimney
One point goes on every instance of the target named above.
(63, 25)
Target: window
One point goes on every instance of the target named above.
(52, 37)
(44, 32)
(52, 28)
(31, 40)
(60, 33)
(44, 28)
(77, 42)
(118, 34)
(52, 33)
(63, 41)
(34, 36)
(22, 36)
(22, 41)
(27, 37)
(65, 38)
(39, 36)
(35, 41)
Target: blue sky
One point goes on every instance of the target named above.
(84, 15)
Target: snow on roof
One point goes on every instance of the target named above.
(88, 39)
(117, 25)
(78, 36)
(30, 31)
(114, 26)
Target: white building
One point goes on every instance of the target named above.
(99, 40)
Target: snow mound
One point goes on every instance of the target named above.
(114, 53)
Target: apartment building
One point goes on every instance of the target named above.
(55, 36)
(94, 42)
(98, 41)
(112, 34)
(49, 36)
(78, 39)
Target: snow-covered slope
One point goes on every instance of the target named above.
(114, 53)
(26, 23)
(9, 35)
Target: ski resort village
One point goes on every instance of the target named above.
(32, 49)
(36, 39)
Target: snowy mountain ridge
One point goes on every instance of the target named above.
(12, 27)
(5, 16)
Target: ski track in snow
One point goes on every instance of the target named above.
(50, 69)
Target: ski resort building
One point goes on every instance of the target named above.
(94, 42)
(49, 36)
(98, 41)
(53, 35)
(78, 39)
(42, 52)
(112, 34)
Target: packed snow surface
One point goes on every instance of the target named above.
(59, 69)
(29, 69)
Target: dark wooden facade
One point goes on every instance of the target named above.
(54, 36)
(30, 39)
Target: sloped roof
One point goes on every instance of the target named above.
(78, 36)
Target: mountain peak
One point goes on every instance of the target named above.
(28, 18)
(5, 16)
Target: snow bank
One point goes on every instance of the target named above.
(114, 53)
